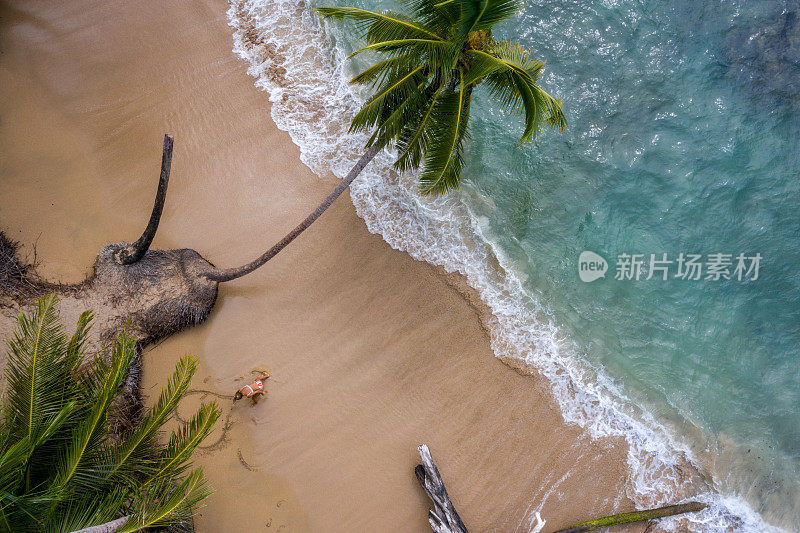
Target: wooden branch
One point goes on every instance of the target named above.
(443, 518)
(134, 252)
(635, 516)
(108, 527)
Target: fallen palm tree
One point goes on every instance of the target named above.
(153, 292)
(443, 518)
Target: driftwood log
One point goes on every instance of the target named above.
(443, 518)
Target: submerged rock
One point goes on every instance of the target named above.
(765, 56)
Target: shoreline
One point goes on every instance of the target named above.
(100, 165)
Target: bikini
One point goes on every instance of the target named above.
(259, 388)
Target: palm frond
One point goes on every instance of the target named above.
(175, 458)
(377, 73)
(437, 54)
(444, 160)
(89, 509)
(390, 128)
(74, 355)
(490, 13)
(511, 75)
(380, 26)
(162, 504)
(412, 141)
(89, 435)
(512, 59)
(130, 457)
(438, 16)
(13, 461)
(35, 369)
(392, 93)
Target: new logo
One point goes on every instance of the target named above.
(591, 266)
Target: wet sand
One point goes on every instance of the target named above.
(372, 353)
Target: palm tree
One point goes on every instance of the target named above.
(61, 469)
(435, 58)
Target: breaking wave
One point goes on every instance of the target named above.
(295, 59)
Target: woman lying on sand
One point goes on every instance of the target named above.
(253, 390)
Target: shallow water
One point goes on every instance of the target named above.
(682, 139)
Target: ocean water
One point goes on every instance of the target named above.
(683, 139)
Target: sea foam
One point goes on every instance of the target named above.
(294, 58)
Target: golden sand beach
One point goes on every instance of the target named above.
(371, 352)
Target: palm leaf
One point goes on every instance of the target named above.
(377, 73)
(74, 355)
(437, 54)
(390, 128)
(490, 13)
(511, 75)
(174, 459)
(382, 26)
(90, 509)
(76, 465)
(130, 457)
(434, 15)
(392, 93)
(163, 505)
(14, 460)
(444, 160)
(35, 369)
(412, 142)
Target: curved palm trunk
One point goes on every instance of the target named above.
(134, 252)
(233, 273)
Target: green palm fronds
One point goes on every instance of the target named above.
(443, 157)
(132, 457)
(182, 444)
(60, 468)
(437, 55)
(382, 26)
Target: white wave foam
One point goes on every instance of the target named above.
(291, 56)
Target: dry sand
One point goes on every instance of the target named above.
(372, 352)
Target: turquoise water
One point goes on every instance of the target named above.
(683, 138)
(684, 131)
